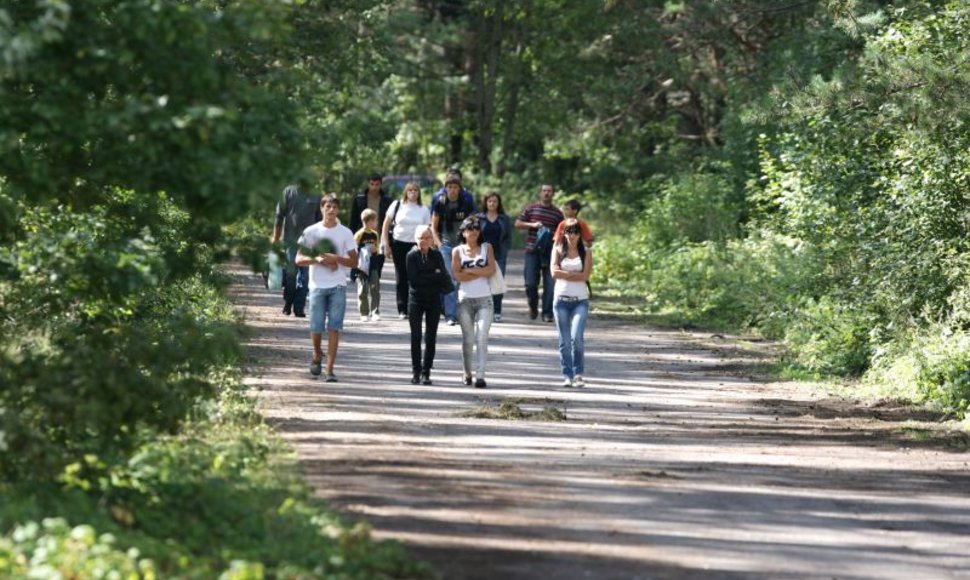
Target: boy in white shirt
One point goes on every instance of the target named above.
(328, 248)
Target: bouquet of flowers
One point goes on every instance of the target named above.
(322, 247)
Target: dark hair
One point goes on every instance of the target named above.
(574, 205)
(452, 178)
(470, 223)
(376, 176)
(329, 198)
(488, 196)
(572, 224)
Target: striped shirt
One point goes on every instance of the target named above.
(549, 216)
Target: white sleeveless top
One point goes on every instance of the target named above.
(478, 287)
(571, 288)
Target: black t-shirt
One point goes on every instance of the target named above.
(450, 215)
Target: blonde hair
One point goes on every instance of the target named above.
(367, 215)
(410, 185)
(419, 231)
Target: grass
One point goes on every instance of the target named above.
(511, 410)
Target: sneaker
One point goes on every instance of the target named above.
(467, 381)
(497, 317)
(567, 382)
(546, 318)
(451, 322)
(402, 315)
(375, 317)
(480, 384)
(579, 381)
(533, 312)
(331, 378)
(415, 379)
(363, 318)
(425, 378)
(315, 367)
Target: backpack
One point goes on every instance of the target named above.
(543, 243)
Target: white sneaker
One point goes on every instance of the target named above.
(375, 317)
(363, 318)
(579, 381)
(567, 382)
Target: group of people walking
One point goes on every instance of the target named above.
(449, 262)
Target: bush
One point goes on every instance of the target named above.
(930, 366)
(220, 499)
(829, 338)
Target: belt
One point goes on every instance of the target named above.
(570, 298)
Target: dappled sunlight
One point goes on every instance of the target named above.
(673, 459)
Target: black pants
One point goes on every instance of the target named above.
(399, 252)
(431, 312)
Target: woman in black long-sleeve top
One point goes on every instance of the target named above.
(426, 274)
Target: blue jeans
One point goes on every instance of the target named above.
(295, 283)
(497, 298)
(571, 324)
(449, 301)
(327, 309)
(536, 265)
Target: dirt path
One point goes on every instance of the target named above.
(671, 464)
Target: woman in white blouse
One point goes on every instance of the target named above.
(571, 265)
(397, 238)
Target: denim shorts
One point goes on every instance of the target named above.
(327, 305)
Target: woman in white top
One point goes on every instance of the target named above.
(571, 264)
(472, 263)
(397, 238)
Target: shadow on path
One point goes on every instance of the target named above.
(667, 465)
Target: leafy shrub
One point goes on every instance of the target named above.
(932, 365)
(829, 338)
(692, 208)
(220, 499)
(53, 549)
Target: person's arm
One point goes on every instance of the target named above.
(386, 233)
(355, 209)
(435, 217)
(588, 237)
(554, 268)
(462, 275)
(522, 223)
(489, 268)
(278, 223)
(411, 265)
(587, 266)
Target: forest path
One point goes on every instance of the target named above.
(672, 463)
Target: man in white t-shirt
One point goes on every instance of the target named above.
(328, 248)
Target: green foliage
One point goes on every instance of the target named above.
(932, 366)
(218, 500)
(129, 131)
(828, 338)
(692, 208)
(54, 549)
